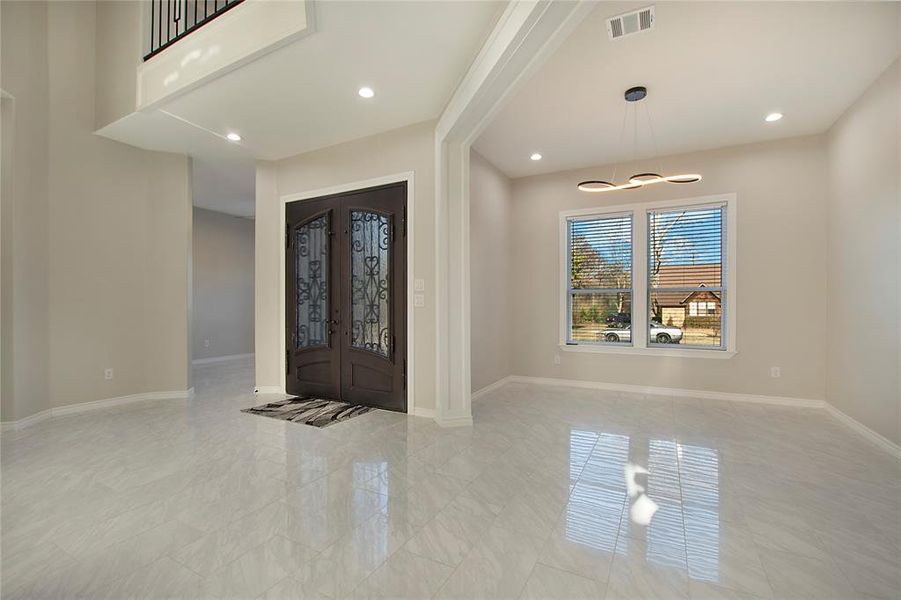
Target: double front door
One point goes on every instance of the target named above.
(346, 297)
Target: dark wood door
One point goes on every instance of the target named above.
(346, 297)
(312, 305)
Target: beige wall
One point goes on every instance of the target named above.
(402, 150)
(25, 260)
(102, 278)
(223, 284)
(490, 214)
(863, 210)
(781, 191)
(118, 56)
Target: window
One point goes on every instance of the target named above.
(685, 265)
(697, 309)
(672, 262)
(600, 279)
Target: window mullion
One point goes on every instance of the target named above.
(640, 279)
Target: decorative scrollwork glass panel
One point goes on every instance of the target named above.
(370, 237)
(311, 255)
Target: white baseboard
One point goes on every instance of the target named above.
(678, 392)
(220, 359)
(71, 409)
(491, 387)
(27, 421)
(268, 389)
(876, 438)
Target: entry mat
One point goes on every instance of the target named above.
(318, 412)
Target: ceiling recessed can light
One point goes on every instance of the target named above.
(535, 156)
(772, 117)
(234, 137)
(366, 92)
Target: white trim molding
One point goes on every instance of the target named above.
(875, 438)
(677, 392)
(639, 290)
(220, 359)
(71, 409)
(407, 177)
(526, 34)
(481, 392)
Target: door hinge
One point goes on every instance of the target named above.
(405, 374)
(403, 221)
(287, 362)
(288, 235)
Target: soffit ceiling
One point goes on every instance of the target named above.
(713, 72)
(304, 96)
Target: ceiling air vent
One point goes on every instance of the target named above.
(629, 23)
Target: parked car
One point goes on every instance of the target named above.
(619, 319)
(660, 334)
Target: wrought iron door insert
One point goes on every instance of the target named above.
(346, 297)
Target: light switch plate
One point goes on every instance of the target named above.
(419, 285)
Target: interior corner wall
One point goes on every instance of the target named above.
(490, 217)
(863, 362)
(780, 279)
(223, 284)
(25, 238)
(102, 231)
(398, 151)
(120, 239)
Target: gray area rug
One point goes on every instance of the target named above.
(317, 412)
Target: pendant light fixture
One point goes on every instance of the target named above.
(639, 180)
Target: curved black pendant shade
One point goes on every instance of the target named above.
(595, 186)
(636, 94)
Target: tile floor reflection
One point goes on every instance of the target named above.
(197, 500)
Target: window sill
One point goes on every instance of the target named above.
(678, 352)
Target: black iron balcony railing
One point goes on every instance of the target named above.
(171, 20)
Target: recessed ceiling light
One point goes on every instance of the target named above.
(234, 137)
(366, 92)
(772, 117)
(535, 156)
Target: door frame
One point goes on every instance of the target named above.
(341, 189)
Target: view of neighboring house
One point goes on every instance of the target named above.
(673, 308)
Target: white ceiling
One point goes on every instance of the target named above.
(304, 96)
(713, 71)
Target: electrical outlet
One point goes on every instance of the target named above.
(556, 359)
(108, 374)
(418, 299)
(775, 372)
(206, 343)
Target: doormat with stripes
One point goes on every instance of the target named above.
(317, 412)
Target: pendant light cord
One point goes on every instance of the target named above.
(654, 139)
(622, 134)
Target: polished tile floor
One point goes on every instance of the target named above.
(546, 497)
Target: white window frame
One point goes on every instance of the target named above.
(569, 291)
(639, 343)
